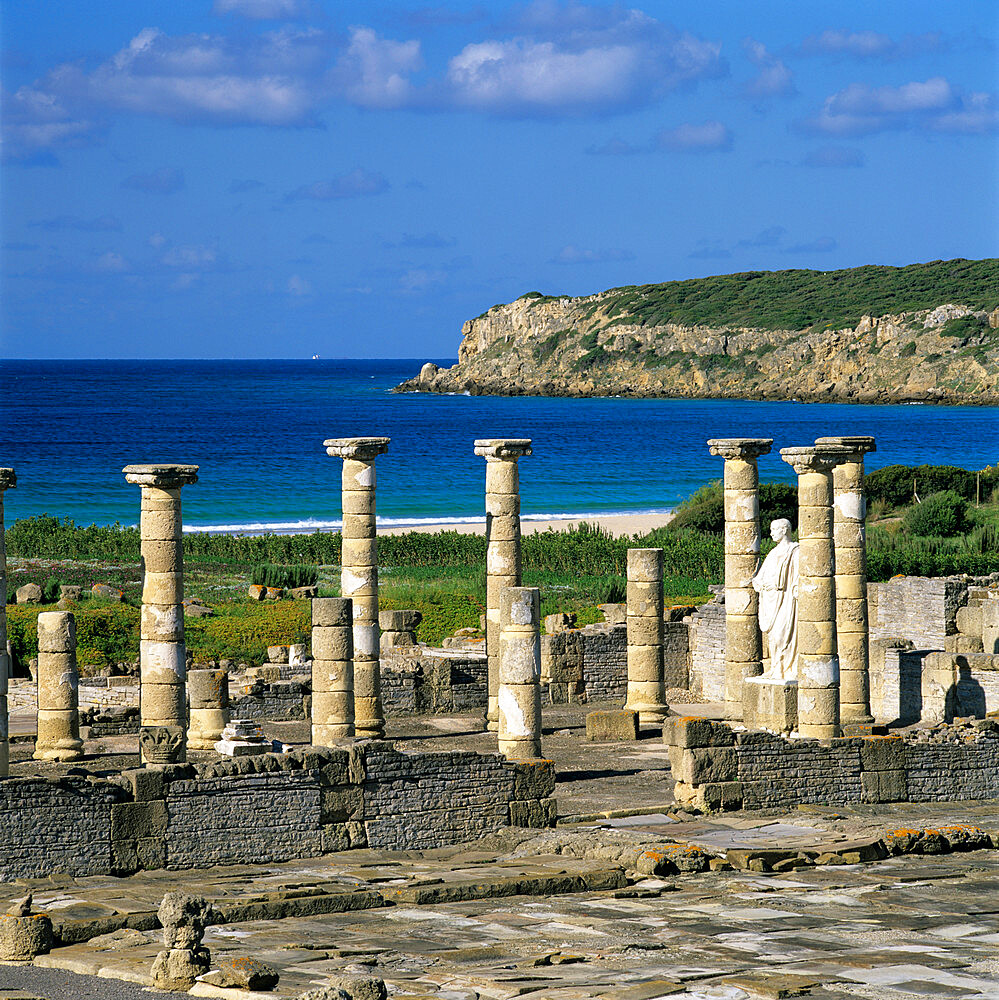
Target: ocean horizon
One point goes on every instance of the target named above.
(256, 429)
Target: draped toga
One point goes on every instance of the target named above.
(776, 581)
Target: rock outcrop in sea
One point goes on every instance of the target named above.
(615, 343)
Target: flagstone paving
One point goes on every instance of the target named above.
(905, 927)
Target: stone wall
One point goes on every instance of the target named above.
(261, 700)
(918, 608)
(707, 652)
(269, 808)
(605, 662)
(718, 768)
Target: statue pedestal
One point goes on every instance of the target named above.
(771, 704)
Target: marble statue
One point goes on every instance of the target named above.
(776, 581)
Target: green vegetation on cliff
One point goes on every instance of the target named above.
(795, 300)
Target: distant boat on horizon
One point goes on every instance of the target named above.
(315, 357)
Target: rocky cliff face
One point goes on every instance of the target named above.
(572, 347)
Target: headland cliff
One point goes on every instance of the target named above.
(922, 333)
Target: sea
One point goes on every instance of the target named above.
(256, 429)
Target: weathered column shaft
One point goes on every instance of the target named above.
(162, 655)
(208, 700)
(502, 545)
(850, 539)
(332, 670)
(646, 687)
(818, 663)
(58, 733)
(743, 643)
(359, 574)
(8, 479)
(518, 696)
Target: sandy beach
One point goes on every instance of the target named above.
(616, 524)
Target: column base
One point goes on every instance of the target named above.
(818, 732)
(520, 749)
(492, 714)
(770, 703)
(369, 729)
(60, 754)
(858, 726)
(648, 714)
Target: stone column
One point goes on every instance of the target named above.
(359, 574)
(162, 657)
(502, 544)
(208, 698)
(743, 643)
(818, 663)
(8, 480)
(58, 733)
(646, 686)
(332, 670)
(850, 538)
(518, 696)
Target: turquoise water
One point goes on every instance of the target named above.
(256, 429)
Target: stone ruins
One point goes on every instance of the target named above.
(799, 683)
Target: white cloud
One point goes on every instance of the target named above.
(374, 72)
(578, 255)
(297, 285)
(621, 59)
(189, 257)
(261, 10)
(774, 78)
(869, 44)
(978, 115)
(419, 279)
(689, 137)
(111, 263)
(358, 183)
(932, 104)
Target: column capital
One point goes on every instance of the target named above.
(8, 479)
(744, 448)
(364, 449)
(856, 445)
(503, 447)
(810, 459)
(166, 477)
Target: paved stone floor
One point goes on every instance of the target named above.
(915, 926)
(905, 927)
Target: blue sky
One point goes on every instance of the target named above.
(278, 178)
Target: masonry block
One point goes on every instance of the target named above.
(533, 812)
(340, 803)
(532, 779)
(608, 726)
(709, 764)
(130, 820)
(147, 783)
(691, 731)
(881, 753)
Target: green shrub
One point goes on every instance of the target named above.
(941, 515)
(704, 510)
(899, 485)
(269, 575)
(50, 590)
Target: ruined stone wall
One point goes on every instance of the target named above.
(56, 825)
(269, 808)
(605, 662)
(707, 652)
(263, 700)
(718, 768)
(918, 608)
